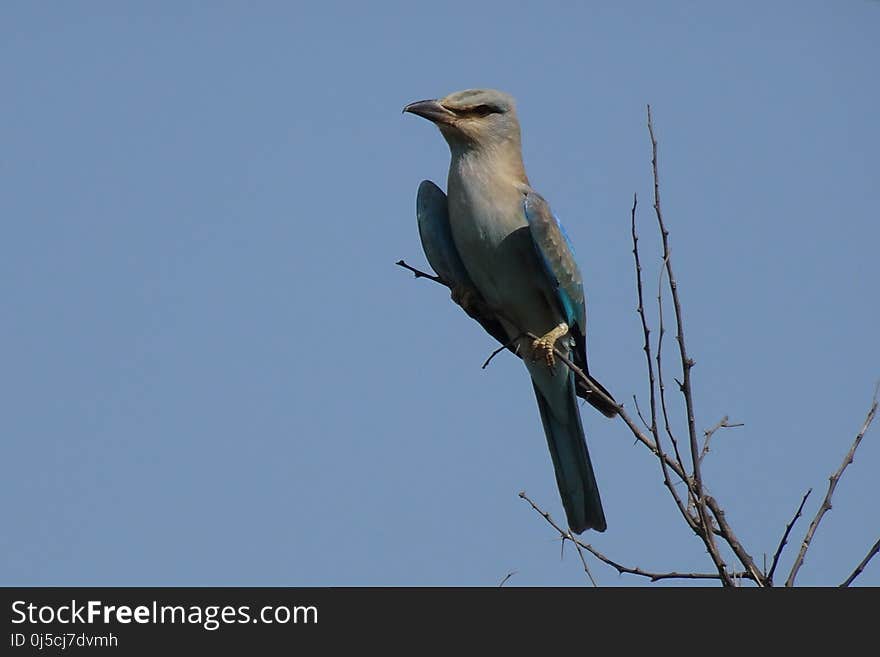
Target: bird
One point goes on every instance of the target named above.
(510, 265)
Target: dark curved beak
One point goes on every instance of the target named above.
(431, 110)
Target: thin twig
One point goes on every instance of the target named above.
(621, 569)
(708, 433)
(639, 413)
(646, 332)
(506, 577)
(565, 535)
(417, 273)
(661, 385)
(509, 345)
(832, 484)
(641, 311)
(784, 539)
(651, 445)
(579, 548)
(858, 571)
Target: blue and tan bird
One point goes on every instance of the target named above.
(495, 242)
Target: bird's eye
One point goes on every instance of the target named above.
(483, 110)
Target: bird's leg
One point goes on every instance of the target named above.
(545, 345)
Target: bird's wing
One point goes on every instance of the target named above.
(440, 250)
(556, 255)
(433, 216)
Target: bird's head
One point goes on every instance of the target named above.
(472, 118)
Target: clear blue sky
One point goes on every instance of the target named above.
(213, 373)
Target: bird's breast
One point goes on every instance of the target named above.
(483, 221)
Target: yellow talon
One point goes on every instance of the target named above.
(545, 345)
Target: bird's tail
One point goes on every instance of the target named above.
(571, 461)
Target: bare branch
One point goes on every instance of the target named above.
(696, 485)
(708, 433)
(858, 571)
(563, 534)
(646, 332)
(727, 533)
(662, 386)
(509, 345)
(621, 569)
(417, 273)
(784, 538)
(641, 311)
(578, 547)
(639, 413)
(832, 484)
(646, 440)
(506, 577)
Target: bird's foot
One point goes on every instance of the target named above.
(544, 346)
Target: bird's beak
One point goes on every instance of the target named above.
(431, 110)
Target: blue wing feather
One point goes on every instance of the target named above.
(436, 236)
(556, 254)
(440, 250)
